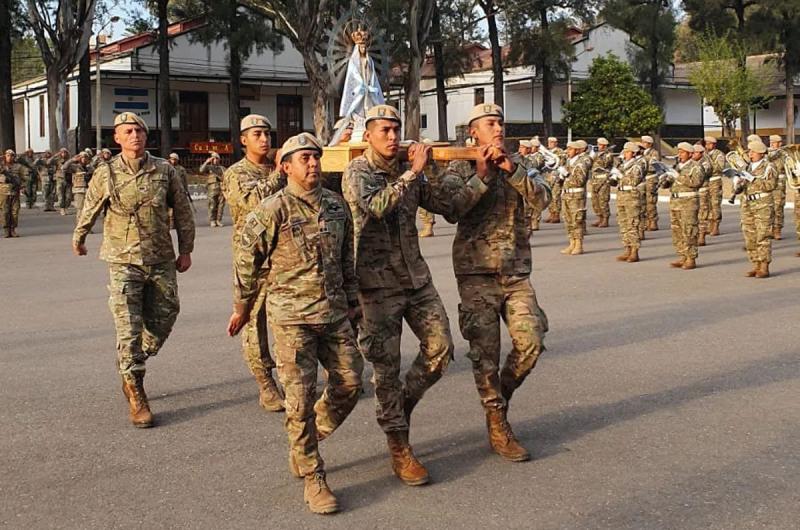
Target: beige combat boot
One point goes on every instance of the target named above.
(270, 396)
(634, 257)
(752, 272)
(502, 438)
(701, 238)
(689, 264)
(677, 264)
(404, 464)
(776, 234)
(427, 230)
(624, 256)
(317, 494)
(714, 228)
(603, 222)
(568, 250)
(133, 388)
(578, 248)
(763, 270)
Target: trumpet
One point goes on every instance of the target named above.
(551, 160)
(737, 157)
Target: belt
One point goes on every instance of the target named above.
(648, 177)
(573, 190)
(781, 177)
(714, 179)
(627, 188)
(600, 177)
(684, 194)
(703, 190)
(756, 196)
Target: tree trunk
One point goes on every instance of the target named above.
(441, 92)
(789, 103)
(235, 71)
(412, 122)
(319, 84)
(84, 102)
(165, 94)
(7, 140)
(56, 103)
(547, 83)
(497, 53)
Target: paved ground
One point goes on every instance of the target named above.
(667, 399)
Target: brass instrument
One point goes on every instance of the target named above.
(737, 157)
(552, 160)
(792, 165)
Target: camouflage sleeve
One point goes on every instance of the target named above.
(363, 191)
(535, 195)
(66, 167)
(770, 178)
(95, 201)
(275, 182)
(203, 168)
(258, 239)
(694, 178)
(182, 215)
(348, 262)
(456, 193)
(231, 189)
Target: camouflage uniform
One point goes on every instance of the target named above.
(395, 283)
(630, 187)
(245, 185)
(683, 208)
(47, 182)
(301, 244)
(492, 264)
(428, 220)
(555, 183)
(535, 161)
(10, 184)
(758, 209)
(601, 188)
(574, 195)
(138, 248)
(79, 175)
(777, 159)
(30, 180)
(704, 211)
(717, 159)
(216, 200)
(63, 186)
(650, 213)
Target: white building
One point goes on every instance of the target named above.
(273, 84)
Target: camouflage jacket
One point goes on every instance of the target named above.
(44, 169)
(579, 167)
(214, 171)
(777, 157)
(632, 175)
(384, 218)
(80, 174)
(649, 156)
(717, 159)
(766, 177)
(10, 177)
(182, 176)
(536, 161)
(690, 177)
(29, 164)
(493, 234)
(56, 162)
(301, 244)
(707, 167)
(136, 206)
(602, 164)
(244, 186)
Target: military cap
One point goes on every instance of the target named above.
(525, 143)
(630, 146)
(88, 151)
(214, 154)
(581, 144)
(753, 138)
(648, 139)
(254, 120)
(575, 144)
(552, 139)
(602, 141)
(710, 139)
(686, 146)
(10, 152)
(175, 156)
(757, 147)
(483, 110)
(535, 142)
(106, 151)
(699, 148)
(301, 142)
(130, 118)
(346, 123)
(775, 138)
(382, 112)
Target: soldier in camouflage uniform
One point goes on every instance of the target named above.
(629, 180)
(683, 206)
(299, 241)
(758, 210)
(704, 210)
(135, 191)
(79, 171)
(216, 200)
(650, 155)
(46, 181)
(492, 263)
(717, 159)
(175, 161)
(602, 164)
(30, 180)
(245, 184)
(10, 185)
(536, 161)
(394, 280)
(777, 157)
(63, 192)
(575, 175)
(554, 181)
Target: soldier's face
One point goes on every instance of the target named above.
(683, 156)
(697, 156)
(9, 159)
(627, 155)
(755, 157)
(384, 137)
(775, 145)
(29, 152)
(173, 162)
(489, 130)
(131, 138)
(524, 150)
(256, 141)
(571, 151)
(647, 145)
(601, 147)
(303, 168)
(552, 144)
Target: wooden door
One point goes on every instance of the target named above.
(193, 112)
(290, 116)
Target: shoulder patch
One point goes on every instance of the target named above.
(252, 230)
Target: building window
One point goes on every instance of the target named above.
(479, 95)
(41, 116)
(423, 121)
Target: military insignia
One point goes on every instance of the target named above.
(253, 121)
(124, 117)
(487, 108)
(302, 140)
(381, 112)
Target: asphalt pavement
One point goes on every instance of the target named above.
(665, 399)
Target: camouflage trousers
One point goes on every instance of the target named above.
(298, 349)
(629, 217)
(757, 222)
(427, 217)
(9, 205)
(797, 214)
(651, 200)
(574, 206)
(216, 203)
(485, 299)
(779, 199)
(79, 195)
(379, 340)
(30, 191)
(704, 211)
(601, 196)
(555, 187)
(684, 224)
(48, 193)
(533, 215)
(255, 340)
(64, 191)
(144, 303)
(715, 199)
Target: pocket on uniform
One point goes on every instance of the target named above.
(470, 326)
(370, 343)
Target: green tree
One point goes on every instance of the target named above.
(611, 103)
(722, 83)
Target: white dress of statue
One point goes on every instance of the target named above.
(362, 90)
